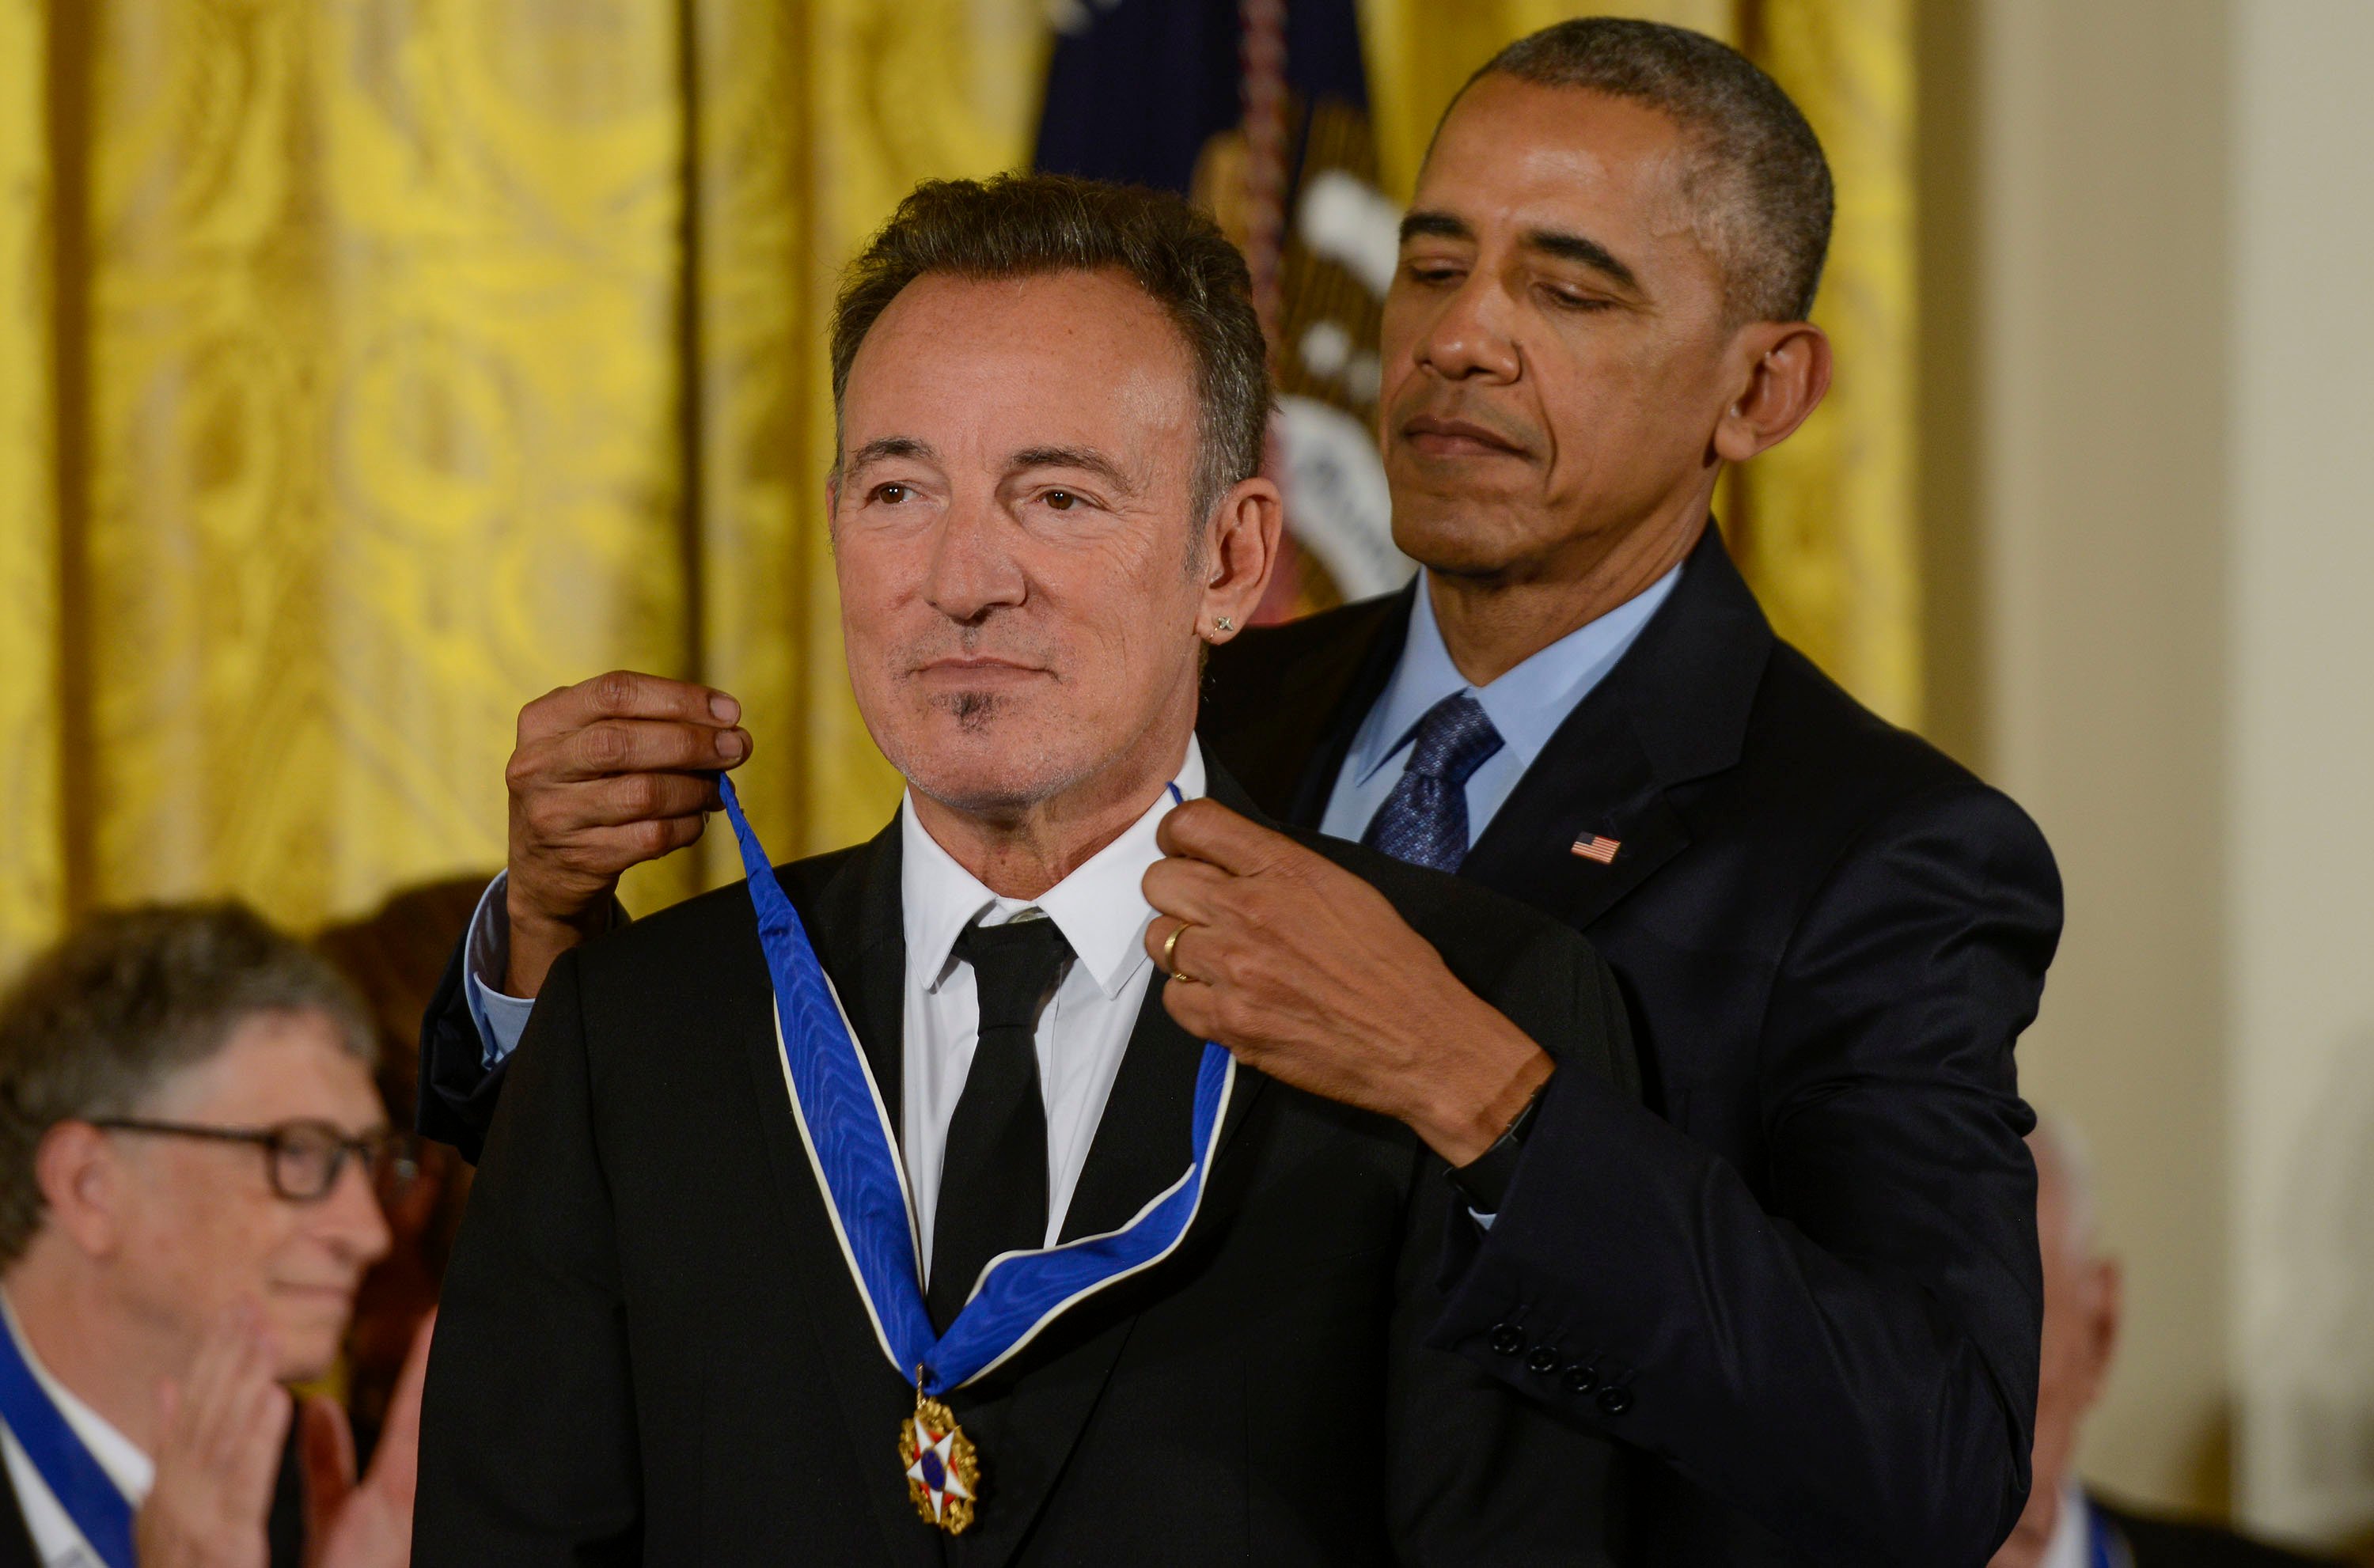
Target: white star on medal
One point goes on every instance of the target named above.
(941, 1452)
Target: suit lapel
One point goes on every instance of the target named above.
(1028, 1425)
(1144, 1142)
(1361, 683)
(1595, 782)
(852, 922)
(1674, 708)
(1281, 708)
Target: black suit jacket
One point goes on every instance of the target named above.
(1804, 1276)
(651, 1350)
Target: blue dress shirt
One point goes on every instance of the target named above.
(1526, 704)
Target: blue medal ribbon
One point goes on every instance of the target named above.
(846, 1131)
(84, 1490)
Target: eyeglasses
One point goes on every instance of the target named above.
(305, 1158)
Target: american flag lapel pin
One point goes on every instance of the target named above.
(1596, 846)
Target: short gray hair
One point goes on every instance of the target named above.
(99, 1021)
(1759, 184)
(1028, 225)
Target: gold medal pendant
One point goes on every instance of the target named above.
(942, 1472)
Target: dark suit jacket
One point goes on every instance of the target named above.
(651, 1350)
(2175, 1543)
(284, 1529)
(1806, 1275)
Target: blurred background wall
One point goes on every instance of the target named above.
(2142, 415)
(368, 367)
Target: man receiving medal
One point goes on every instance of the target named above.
(1797, 1279)
(878, 1210)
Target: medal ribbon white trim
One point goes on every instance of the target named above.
(846, 1130)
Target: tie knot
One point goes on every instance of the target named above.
(1014, 967)
(1454, 739)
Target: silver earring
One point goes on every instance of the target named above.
(1221, 624)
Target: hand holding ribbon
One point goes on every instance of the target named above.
(1309, 974)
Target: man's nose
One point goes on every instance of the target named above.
(350, 1218)
(1471, 335)
(973, 569)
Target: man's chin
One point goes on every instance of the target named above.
(984, 760)
(1463, 540)
(987, 791)
(307, 1337)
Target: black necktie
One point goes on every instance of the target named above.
(994, 1174)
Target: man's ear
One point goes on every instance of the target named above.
(82, 1176)
(2107, 1314)
(1241, 552)
(1783, 370)
(2101, 1306)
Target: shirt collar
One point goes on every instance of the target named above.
(2072, 1545)
(132, 1471)
(1526, 704)
(1100, 907)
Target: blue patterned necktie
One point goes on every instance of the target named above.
(1424, 821)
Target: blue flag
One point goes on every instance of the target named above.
(1153, 92)
(1137, 90)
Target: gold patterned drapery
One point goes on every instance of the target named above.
(372, 365)
(368, 367)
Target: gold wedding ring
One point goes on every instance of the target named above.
(1169, 962)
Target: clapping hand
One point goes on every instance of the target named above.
(369, 1525)
(221, 1427)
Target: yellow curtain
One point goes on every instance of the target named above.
(403, 360)
(369, 368)
(32, 866)
(1823, 524)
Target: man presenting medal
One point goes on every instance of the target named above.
(877, 1211)
(1801, 1283)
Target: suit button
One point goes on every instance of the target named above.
(1581, 1379)
(1543, 1362)
(1614, 1401)
(1507, 1339)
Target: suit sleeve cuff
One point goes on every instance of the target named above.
(500, 1020)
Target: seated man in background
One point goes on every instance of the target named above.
(189, 1139)
(2063, 1528)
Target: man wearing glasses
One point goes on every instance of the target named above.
(193, 1158)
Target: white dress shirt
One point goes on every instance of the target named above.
(55, 1539)
(2072, 1545)
(1526, 705)
(1083, 1034)
(1102, 912)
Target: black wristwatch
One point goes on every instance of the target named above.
(1484, 1180)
